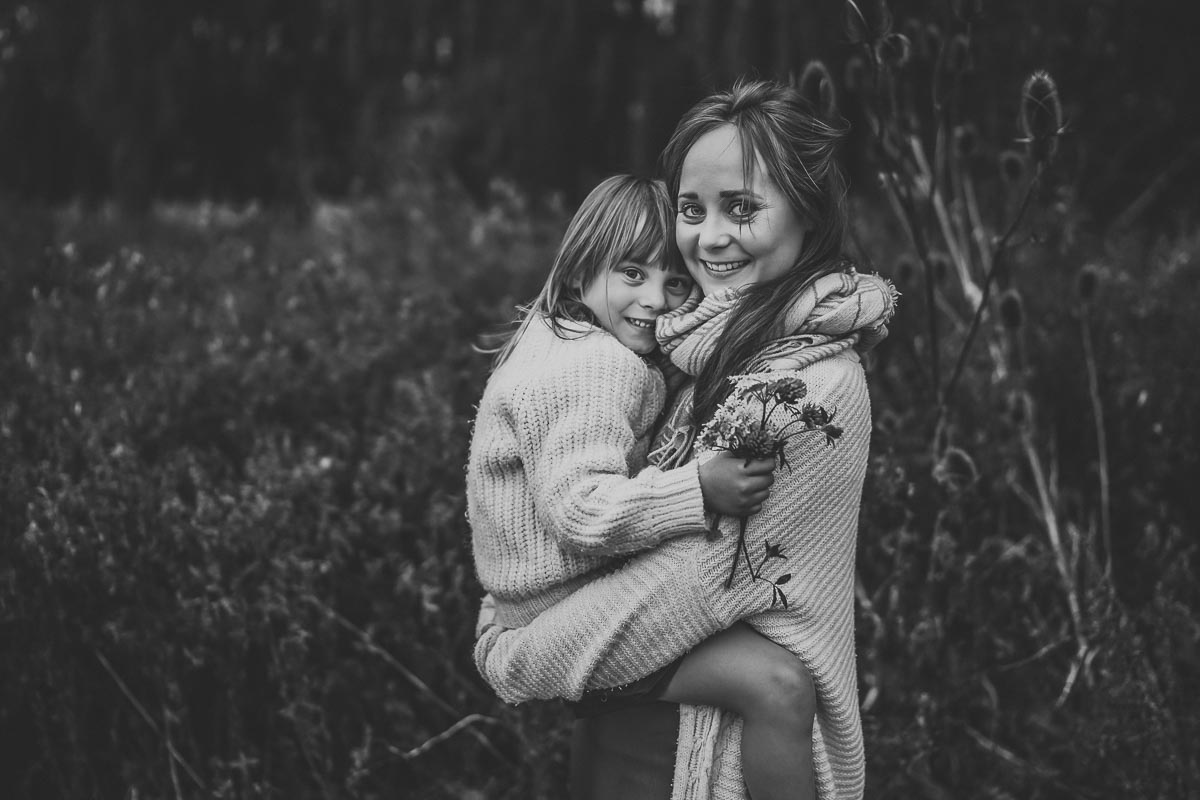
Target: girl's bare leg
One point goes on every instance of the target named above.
(742, 671)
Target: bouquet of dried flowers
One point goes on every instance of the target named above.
(745, 426)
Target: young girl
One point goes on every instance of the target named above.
(558, 488)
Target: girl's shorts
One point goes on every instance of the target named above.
(644, 690)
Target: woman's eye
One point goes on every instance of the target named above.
(691, 211)
(741, 209)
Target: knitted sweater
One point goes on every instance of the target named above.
(556, 488)
(660, 604)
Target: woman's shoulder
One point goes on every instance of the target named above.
(838, 374)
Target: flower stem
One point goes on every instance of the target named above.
(741, 547)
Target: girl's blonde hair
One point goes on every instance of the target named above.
(625, 218)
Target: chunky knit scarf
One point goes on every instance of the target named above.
(831, 314)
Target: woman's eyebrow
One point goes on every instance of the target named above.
(739, 193)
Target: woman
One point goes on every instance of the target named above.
(760, 224)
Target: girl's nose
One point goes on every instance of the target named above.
(653, 297)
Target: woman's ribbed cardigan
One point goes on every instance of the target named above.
(660, 604)
(557, 483)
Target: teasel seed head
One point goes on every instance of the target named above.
(1041, 116)
(958, 55)
(955, 470)
(894, 50)
(855, 74)
(967, 10)
(1088, 282)
(1012, 167)
(1020, 409)
(939, 265)
(1012, 310)
(917, 34)
(816, 86)
(867, 21)
(966, 140)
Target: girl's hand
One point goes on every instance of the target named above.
(733, 486)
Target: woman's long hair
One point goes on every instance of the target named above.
(778, 129)
(625, 218)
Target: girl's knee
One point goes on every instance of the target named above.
(787, 689)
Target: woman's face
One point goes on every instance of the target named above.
(731, 234)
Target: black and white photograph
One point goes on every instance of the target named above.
(599, 400)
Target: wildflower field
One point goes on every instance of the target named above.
(234, 561)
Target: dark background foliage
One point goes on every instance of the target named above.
(245, 249)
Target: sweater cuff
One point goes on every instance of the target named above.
(680, 507)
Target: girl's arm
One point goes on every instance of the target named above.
(577, 434)
(662, 603)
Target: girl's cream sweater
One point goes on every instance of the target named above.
(557, 487)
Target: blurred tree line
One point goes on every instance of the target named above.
(287, 100)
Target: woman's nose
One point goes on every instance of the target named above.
(713, 234)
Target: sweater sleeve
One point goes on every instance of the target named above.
(576, 432)
(660, 604)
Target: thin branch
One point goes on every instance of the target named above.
(432, 742)
(145, 715)
(409, 675)
(1089, 360)
(997, 251)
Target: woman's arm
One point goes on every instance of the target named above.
(662, 603)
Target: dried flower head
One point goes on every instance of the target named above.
(1041, 116)
(816, 86)
(917, 34)
(1020, 409)
(855, 76)
(967, 10)
(939, 267)
(1012, 310)
(955, 470)
(966, 140)
(1088, 281)
(867, 21)
(1012, 167)
(958, 55)
(894, 50)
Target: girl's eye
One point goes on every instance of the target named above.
(691, 212)
(679, 285)
(632, 273)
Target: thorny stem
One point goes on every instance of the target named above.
(1050, 519)
(902, 207)
(145, 715)
(408, 674)
(741, 543)
(998, 252)
(1089, 360)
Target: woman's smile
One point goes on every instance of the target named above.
(723, 267)
(732, 229)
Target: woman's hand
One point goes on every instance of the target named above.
(733, 486)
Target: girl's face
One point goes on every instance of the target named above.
(629, 297)
(731, 234)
